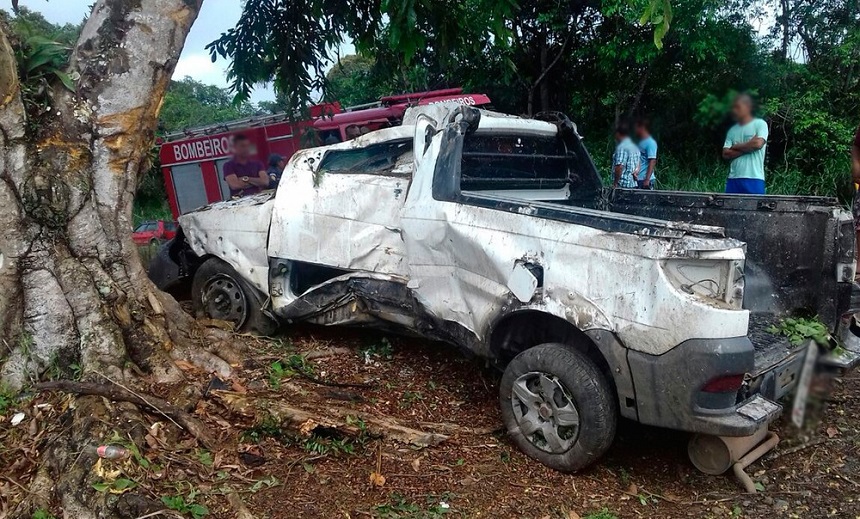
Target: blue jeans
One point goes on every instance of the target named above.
(745, 186)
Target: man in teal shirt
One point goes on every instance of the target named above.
(648, 152)
(745, 147)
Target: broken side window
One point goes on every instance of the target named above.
(387, 158)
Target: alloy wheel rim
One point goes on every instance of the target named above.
(545, 412)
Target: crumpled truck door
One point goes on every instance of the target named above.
(462, 265)
(339, 218)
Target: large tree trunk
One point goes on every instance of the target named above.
(72, 288)
(72, 283)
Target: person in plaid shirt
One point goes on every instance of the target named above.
(625, 160)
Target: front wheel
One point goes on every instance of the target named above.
(218, 292)
(558, 406)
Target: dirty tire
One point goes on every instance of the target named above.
(576, 380)
(243, 296)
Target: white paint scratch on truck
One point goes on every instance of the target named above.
(344, 220)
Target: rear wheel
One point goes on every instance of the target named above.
(558, 406)
(218, 292)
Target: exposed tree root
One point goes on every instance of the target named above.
(239, 507)
(329, 352)
(456, 430)
(345, 421)
(121, 394)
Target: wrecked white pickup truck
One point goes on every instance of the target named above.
(494, 233)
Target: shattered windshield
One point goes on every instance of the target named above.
(388, 158)
(514, 162)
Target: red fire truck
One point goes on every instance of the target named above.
(192, 161)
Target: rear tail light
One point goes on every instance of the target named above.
(724, 384)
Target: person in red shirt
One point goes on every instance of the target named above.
(245, 175)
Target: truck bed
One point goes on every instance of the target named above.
(770, 349)
(800, 250)
(797, 248)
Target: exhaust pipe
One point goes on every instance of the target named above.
(715, 455)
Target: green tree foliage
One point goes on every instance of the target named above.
(599, 61)
(352, 81)
(292, 43)
(27, 21)
(812, 92)
(42, 51)
(190, 103)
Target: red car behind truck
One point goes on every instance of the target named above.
(192, 161)
(154, 232)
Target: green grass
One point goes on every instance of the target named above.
(185, 505)
(7, 400)
(399, 507)
(601, 514)
(377, 348)
(268, 428)
(146, 209)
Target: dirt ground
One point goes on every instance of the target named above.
(475, 473)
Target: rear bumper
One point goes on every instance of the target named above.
(848, 357)
(668, 388)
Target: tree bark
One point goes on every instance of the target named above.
(543, 85)
(72, 288)
(78, 290)
(545, 69)
(786, 29)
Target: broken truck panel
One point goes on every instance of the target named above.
(236, 232)
(597, 275)
(800, 250)
(342, 209)
(495, 233)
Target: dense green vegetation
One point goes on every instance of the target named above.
(598, 62)
(42, 52)
(190, 103)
